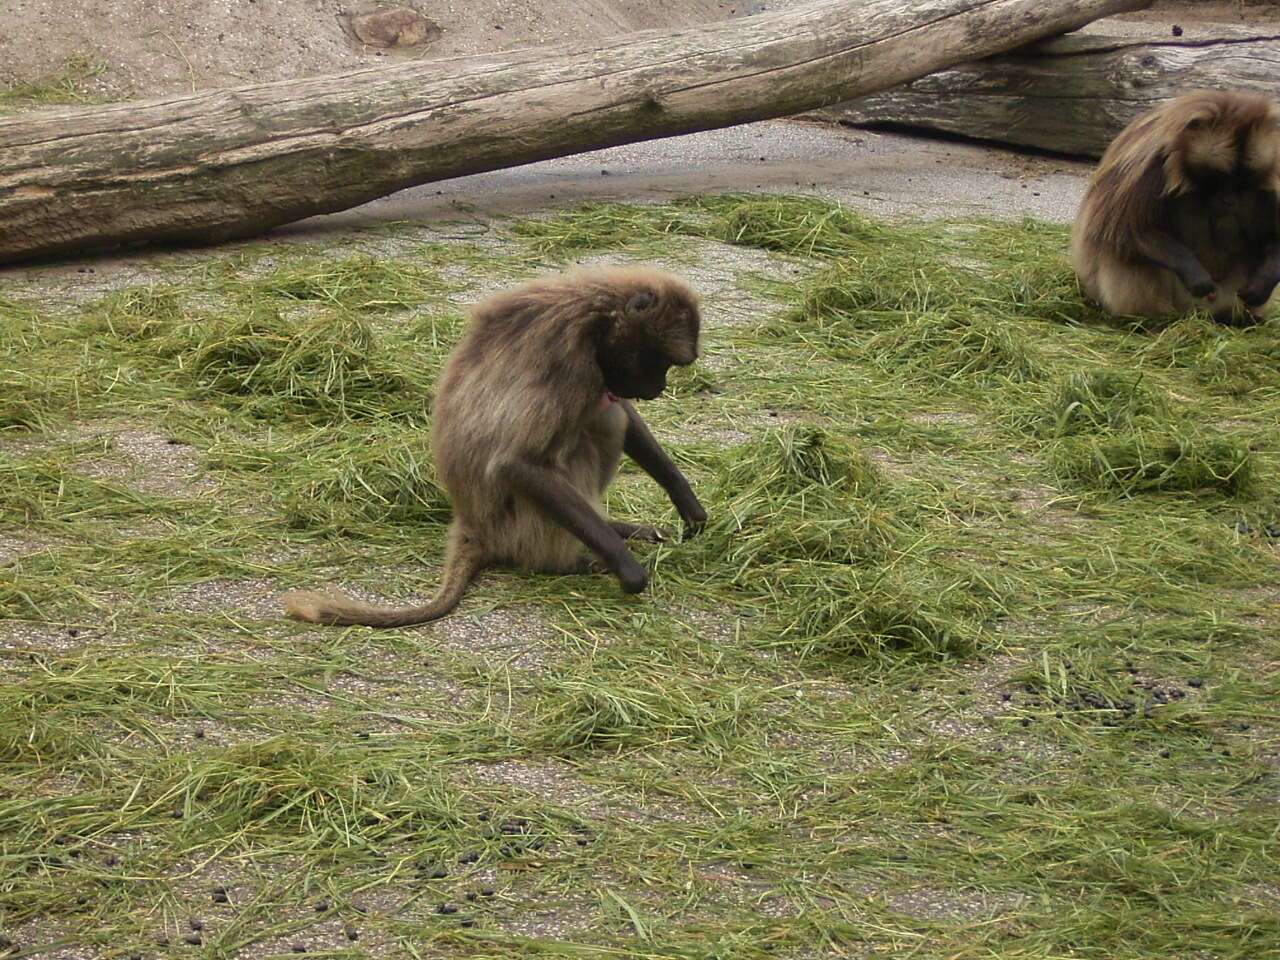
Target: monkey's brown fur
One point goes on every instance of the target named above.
(529, 427)
(1182, 210)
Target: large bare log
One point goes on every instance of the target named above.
(230, 163)
(1072, 94)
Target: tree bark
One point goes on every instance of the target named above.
(1072, 94)
(231, 163)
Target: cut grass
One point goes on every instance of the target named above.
(974, 657)
(64, 86)
(1154, 461)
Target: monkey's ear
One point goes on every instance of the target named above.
(641, 302)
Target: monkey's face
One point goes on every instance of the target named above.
(655, 333)
(645, 380)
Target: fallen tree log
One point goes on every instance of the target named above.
(1072, 94)
(231, 163)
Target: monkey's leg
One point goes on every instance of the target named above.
(557, 498)
(642, 447)
(1257, 289)
(1166, 250)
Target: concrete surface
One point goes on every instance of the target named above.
(892, 174)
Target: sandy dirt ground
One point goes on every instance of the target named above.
(155, 47)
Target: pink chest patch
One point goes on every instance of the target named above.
(607, 401)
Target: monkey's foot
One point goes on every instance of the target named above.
(1236, 318)
(637, 531)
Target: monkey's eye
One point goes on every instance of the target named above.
(1195, 123)
(641, 301)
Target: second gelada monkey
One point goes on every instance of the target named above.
(1182, 211)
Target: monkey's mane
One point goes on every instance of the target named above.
(545, 333)
(1145, 163)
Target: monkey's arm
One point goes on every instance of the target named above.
(1257, 289)
(1165, 250)
(641, 446)
(552, 494)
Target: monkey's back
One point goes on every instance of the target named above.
(516, 388)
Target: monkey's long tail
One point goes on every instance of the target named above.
(464, 560)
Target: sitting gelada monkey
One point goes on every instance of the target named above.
(531, 418)
(1182, 211)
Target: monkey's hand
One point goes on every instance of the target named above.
(695, 518)
(1203, 289)
(1255, 293)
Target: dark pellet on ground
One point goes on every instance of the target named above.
(194, 939)
(1005, 696)
(1176, 30)
(446, 908)
(198, 733)
(488, 893)
(471, 896)
(196, 924)
(469, 858)
(352, 933)
(1026, 721)
(1164, 753)
(322, 906)
(299, 948)
(1195, 683)
(219, 896)
(468, 922)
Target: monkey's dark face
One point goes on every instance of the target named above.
(644, 379)
(655, 333)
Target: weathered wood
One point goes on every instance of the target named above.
(1072, 94)
(231, 163)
